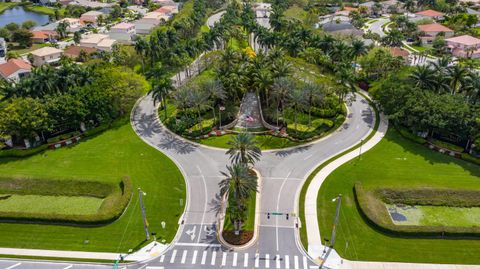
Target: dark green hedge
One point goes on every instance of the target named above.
(20, 153)
(116, 198)
(373, 208)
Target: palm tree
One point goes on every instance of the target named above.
(160, 90)
(472, 87)
(215, 91)
(424, 77)
(240, 184)
(262, 81)
(409, 5)
(297, 100)
(456, 75)
(141, 47)
(393, 38)
(312, 92)
(280, 89)
(243, 149)
(198, 99)
(358, 48)
(62, 29)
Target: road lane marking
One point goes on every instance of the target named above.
(198, 245)
(162, 258)
(172, 259)
(68, 267)
(245, 261)
(278, 206)
(13, 266)
(235, 259)
(194, 258)
(224, 258)
(184, 257)
(257, 260)
(204, 257)
(287, 262)
(277, 261)
(267, 260)
(308, 157)
(295, 259)
(305, 263)
(214, 256)
(205, 204)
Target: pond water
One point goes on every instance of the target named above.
(18, 15)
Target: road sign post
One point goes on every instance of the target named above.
(335, 221)
(144, 215)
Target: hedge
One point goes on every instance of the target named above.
(408, 135)
(62, 137)
(373, 208)
(447, 145)
(20, 153)
(116, 198)
(470, 158)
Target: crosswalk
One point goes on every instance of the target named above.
(220, 259)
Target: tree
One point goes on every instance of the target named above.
(424, 77)
(297, 100)
(215, 92)
(160, 90)
(393, 38)
(312, 92)
(77, 36)
(12, 55)
(239, 185)
(23, 38)
(141, 47)
(5, 33)
(243, 149)
(358, 48)
(62, 28)
(281, 87)
(12, 27)
(28, 24)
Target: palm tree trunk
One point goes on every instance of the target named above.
(165, 106)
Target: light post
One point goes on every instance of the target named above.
(144, 215)
(338, 199)
(220, 109)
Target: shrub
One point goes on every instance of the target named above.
(470, 158)
(62, 137)
(94, 131)
(447, 145)
(408, 135)
(20, 153)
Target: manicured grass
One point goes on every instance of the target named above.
(395, 162)
(295, 12)
(106, 158)
(44, 10)
(265, 142)
(51, 204)
(249, 224)
(421, 48)
(22, 51)
(7, 5)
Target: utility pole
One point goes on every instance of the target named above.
(144, 215)
(335, 221)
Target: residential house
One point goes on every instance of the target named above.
(98, 41)
(46, 55)
(346, 11)
(262, 10)
(399, 52)
(90, 17)
(15, 69)
(3, 47)
(40, 37)
(151, 20)
(379, 8)
(106, 44)
(74, 51)
(342, 27)
(464, 46)
(430, 14)
(122, 32)
(430, 31)
(74, 24)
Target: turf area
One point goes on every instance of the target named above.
(106, 158)
(265, 142)
(395, 162)
(51, 204)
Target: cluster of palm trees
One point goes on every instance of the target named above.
(239, 181)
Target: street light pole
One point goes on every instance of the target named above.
(144, 215)
(335, 221)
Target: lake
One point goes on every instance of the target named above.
(18, 15)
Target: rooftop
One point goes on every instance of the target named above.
(75, 50)
(92, 13)
(123, 26)
(106, 43)
(42, 34)
(45, 51)
(93, 38)
(434, 27)
(464, 40)
(12, 66)
(399, 52)
(430, 13)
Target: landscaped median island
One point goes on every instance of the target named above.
(403, 173)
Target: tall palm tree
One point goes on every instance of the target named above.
(215, 92)
(243, 149)
(312, 92)
(262, 81)
(424, 77)
(297, 100)
(456, 75)
(198, 100)
(141, 47)
(280, 89)
(472, 88)
(160, 90)
(239, 184)
(358, 48)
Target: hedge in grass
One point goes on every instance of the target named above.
(372, 205)
(116, 198)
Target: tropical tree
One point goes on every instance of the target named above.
(160, 90)
(141, 47)
(297, 100)
(280, 89)
(215, 92)
(358, 48)
(62, 29)
(424, 77)
(243, 149)
(239, 185)
(313, 92)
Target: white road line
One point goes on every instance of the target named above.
(198, 245)
(162, 258)
(257, 260)
(13, 266)
(194, 258)
(235, 254)
(287, 262)
(68, 267)
(267, 260)
(278, 206)
(245, 261)
(308, 157)
(224, 258)
(296, 261)
(277, 261)
(204, 257)
(206, 202)
(214, 256)
(184, 257)
(305, 263)
(172, 259)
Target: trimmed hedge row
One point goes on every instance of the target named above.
(116, 198)
(373, 208)
(20, 153)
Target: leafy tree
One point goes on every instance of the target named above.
(77, 36)
(393, 38)
(297, 99)
(22, 37)
(28, 24)
(62, 28)
(12, 27)
(5, 33)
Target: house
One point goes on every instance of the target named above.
(46, 55)
(90, 17)
(346, 11)
(145, 25)
(15, 69)
(382, 7)
(73, 24)
(343, 28)
(40, 37)
(74, 51)
(262, 10)
(3, 47)
(166, 11)
(98, 41)
(122, 32)
(399, 52)
(430, 31)
(155, 18)
(430, 14)
(464, 46)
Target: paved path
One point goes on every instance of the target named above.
(249, 115)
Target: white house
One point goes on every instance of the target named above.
(98, 41)
(122, 32)
(73, 24)
(46, 55)
(15, 69)
(90, 17)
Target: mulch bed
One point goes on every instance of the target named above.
(237, 240)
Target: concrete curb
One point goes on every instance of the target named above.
(256, 230)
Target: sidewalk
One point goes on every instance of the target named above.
(395, 265)
(147, 252)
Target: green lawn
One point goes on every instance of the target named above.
(7, 5)
(249, 224)
(44, 10)
(395, 162)
(107, 157)
(22, 51)
(265, 142)
(78, 205)
(295, 12)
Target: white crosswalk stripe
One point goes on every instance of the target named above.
(184, 257)
(162, 258)
(204, 257)
(174, 253)
(277, 261)
(287, 262)
(224, 258)
(296, 262)
(257, 260)
(245, 260)
(214, 257)
(194, 258)
(235, 259)
(305, 263)
(267, 261)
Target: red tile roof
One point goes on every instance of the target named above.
(12, 66)
(464, 40)
(399, 52)
(434, 27)
(430, 13)
(43, 34)
(74, 51)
